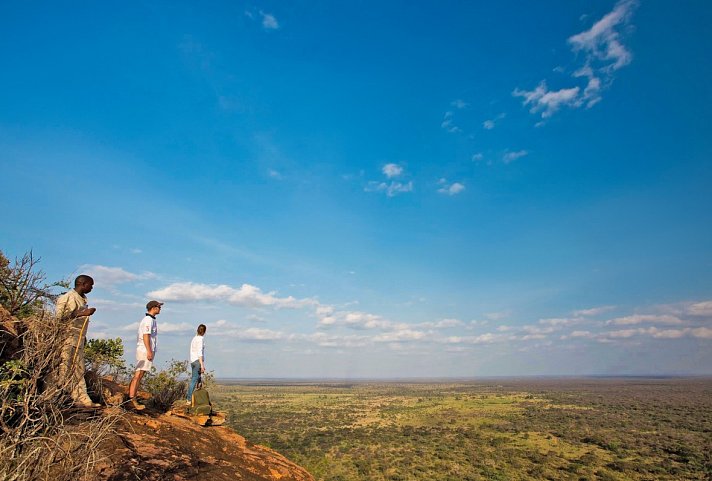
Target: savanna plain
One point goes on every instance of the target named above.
(503, 429)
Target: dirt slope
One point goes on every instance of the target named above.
(152, 446)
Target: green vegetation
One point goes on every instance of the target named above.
(611, 429)
(105, 357)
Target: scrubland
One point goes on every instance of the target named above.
(559, 429)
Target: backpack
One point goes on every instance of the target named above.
(201, 402)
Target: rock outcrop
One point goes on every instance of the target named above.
(152, 446)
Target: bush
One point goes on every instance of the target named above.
(166, 387)
(35, 441)
(105, 357)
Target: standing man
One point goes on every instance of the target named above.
(72, 310)
(145, 349)
(197, 360)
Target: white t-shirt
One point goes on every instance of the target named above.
(147, 326)
(197, 349)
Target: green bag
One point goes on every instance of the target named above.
(201, 402)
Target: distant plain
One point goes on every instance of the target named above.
(495, 429)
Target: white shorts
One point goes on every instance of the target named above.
(142, 362)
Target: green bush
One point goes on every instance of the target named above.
(168, 386)
(105, 357)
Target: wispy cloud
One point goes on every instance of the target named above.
(459, 104)
(546, 101)
(491, 123)
(603, 53)
(594, 311)
(108, 277)
(644, 319)
(448, 123)
(512, 156)
(448, 188)
(390, 187)
(700, 309)
(269, 22)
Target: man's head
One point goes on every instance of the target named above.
(153, 307)
(202, 329)
(83, 284)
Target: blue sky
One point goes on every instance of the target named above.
(372, 190)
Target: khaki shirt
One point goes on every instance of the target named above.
(69, 303)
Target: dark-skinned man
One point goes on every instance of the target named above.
(73, 311)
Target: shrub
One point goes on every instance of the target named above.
(35, 441)
(105, 357)
(168, 386)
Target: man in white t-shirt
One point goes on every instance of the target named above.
(197, 360)
(145, 349)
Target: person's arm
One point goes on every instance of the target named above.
(66, 311)
(147, 343)
(202, 356)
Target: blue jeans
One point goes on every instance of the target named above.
(194, 378)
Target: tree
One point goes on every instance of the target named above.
(23, 289)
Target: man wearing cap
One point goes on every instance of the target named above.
(145, 349)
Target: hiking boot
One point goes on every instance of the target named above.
(137, 405)
(87, 404)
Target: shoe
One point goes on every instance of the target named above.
(137, 405)
(87, 404)
(188, 403)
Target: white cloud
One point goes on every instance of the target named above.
(274, 174)
(165, 327)
(441, 324)
(392, 170)
(449, 125)
(246, 295)
(702, 332)
(644, 319)
(477, 157)
(548, 101)
(400, 336)
(602, 41)
(558, 321)
(107, 277)
(391, 189)
(603, 53)
(450, 189)
(255, 334)
(594, 311)
(490, 124)
(481, 339)
(269, 22)
(700, 309)
(459, 104)
(512, 156)
(584, 334)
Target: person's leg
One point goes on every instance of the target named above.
(79, 388)
(194, 377)
(133, 389)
